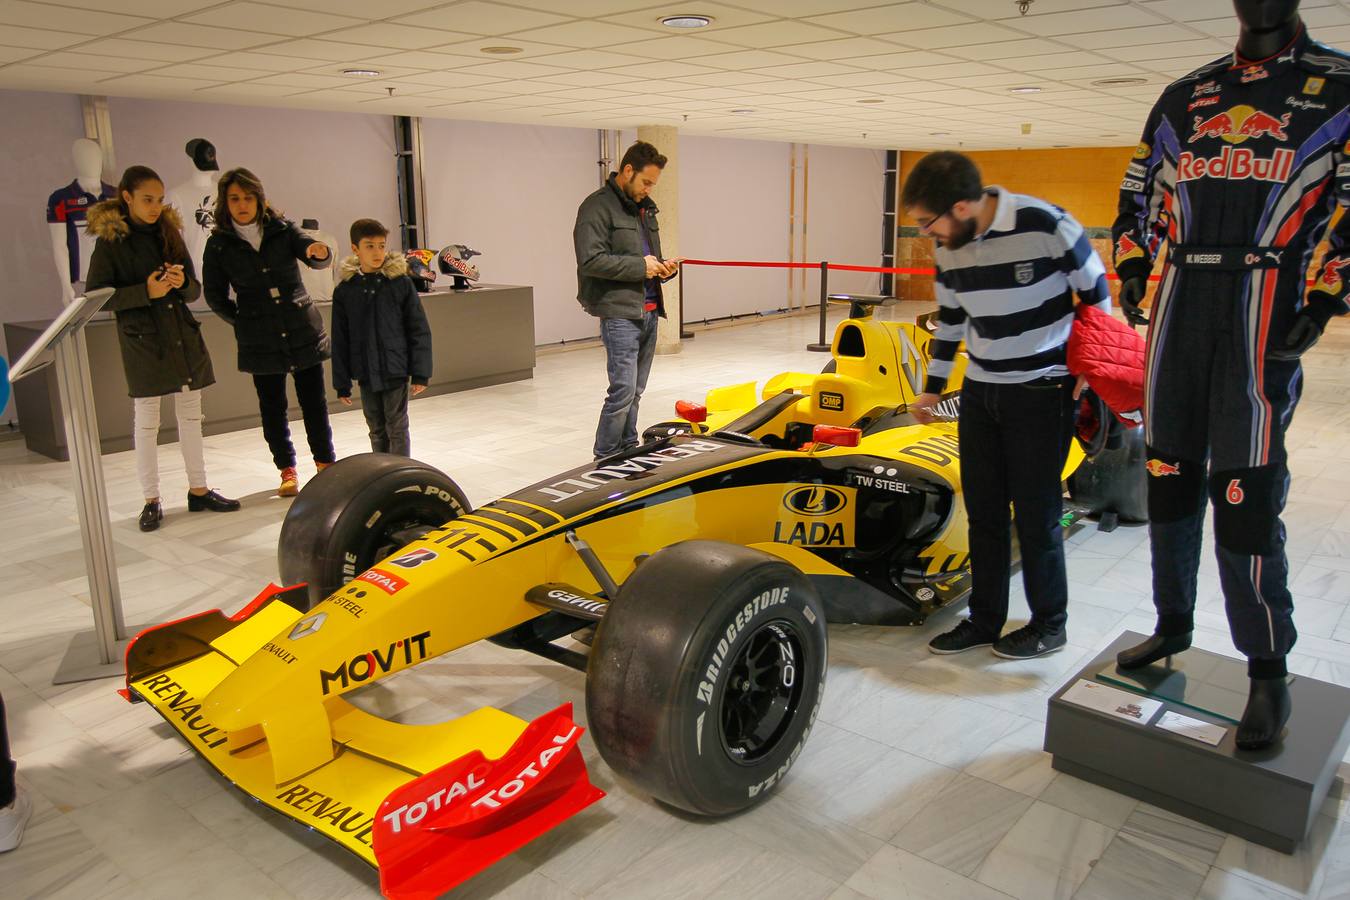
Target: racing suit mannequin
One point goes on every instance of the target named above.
(1241, 165)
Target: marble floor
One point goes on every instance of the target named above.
(924, 777)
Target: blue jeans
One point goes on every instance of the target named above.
(629, 347)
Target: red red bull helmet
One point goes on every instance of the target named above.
(454, 260)
(419, 268)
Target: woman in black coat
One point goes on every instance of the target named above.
(254, 251)
(140, 254)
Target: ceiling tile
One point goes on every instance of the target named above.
(43, 78)
(155, 84)
(1053, 61)
(585, 8)
(153, 9)
(863, 79)
(312, 48)
(953, 36)
(1086, 20)
(87, 21)
(78, 60)
(843, 49)
(1004, 9)
(1326, 17)
(1205, 47)
(892, 17)
(472, 50)
(202, 36)
(1130, 37)
(38, 38)
(593, 59)
(1006, 49)
(747, 59)
(1191, 10)
(777, 34)
(511, 69)
(246, 90)
(14, 54)
(586, 79)
(805, 70)
(207, 72)
(680, 47)
(477, 17)
(1105, 70)
(586, 34)
(296, 80)
(950, 70)
(383, 34)
(904, 59)
(722, 16)
(663, 69)
(134, 49)
(729, 79)
(276, 19)
(1225, 28)
(996, 79)
(360, 9)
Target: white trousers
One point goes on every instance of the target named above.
(188, 406)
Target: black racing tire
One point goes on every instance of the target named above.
(358, 511)
(706, 675)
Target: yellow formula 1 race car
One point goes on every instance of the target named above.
(707, 560)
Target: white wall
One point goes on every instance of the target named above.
(332, 166)
(36, 131)
(844, 214)
(511, 192)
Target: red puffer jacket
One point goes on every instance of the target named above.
(1111, 354)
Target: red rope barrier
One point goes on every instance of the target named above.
(1111, 276)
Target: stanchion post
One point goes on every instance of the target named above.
(684, 335)
(822, 345)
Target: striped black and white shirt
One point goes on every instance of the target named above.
(1009, 294)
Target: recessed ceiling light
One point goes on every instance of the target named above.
(363, 73)
(685, 21)
(742, 112)
(871, 100)
(1025, 89)
(501, 51)
(1119, 82)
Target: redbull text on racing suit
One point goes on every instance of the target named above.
(1239, 170)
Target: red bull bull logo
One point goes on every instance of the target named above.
(1236, 164)
(1126, 248)
(1239, 123)
(1330, 279)
(1157, 468)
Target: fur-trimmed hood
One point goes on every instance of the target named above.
(395, 266)
(105, 220)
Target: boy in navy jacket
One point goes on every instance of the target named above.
(380, 335)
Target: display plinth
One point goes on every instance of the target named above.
(1268, 796)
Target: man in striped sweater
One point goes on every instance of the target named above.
(1008, 270)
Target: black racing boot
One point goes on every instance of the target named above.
(1171, 636)
(1268, 705)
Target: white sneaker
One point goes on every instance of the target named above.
(12, 820)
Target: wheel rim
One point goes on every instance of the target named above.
(763, 693)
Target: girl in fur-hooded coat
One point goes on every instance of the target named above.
(140, 254)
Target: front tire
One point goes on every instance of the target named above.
(358, 511)
(706, 674)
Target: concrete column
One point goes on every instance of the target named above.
(666, 138)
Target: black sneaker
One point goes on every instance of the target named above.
(1028, 642)
(211, 502)
(151, 516)
(965, 636)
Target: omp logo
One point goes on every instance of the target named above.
(413, 558)
(375, 662)
(815, 500)
(831, 400)
(306, 627)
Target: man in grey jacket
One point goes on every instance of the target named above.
(619, 275)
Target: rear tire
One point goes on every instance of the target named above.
(706, 674)
(358, 511)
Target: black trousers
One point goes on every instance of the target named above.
(1014, 442)
(8, 784)
(272, 404)
(387, 418)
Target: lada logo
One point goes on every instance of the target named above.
(815, 500)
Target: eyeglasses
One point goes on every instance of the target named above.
(925, 226)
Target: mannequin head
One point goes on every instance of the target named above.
(203, 154)
(88, 156)
(1266, 15)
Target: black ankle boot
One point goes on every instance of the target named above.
(1268, 705)
(151, 516)
(1172, 635)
